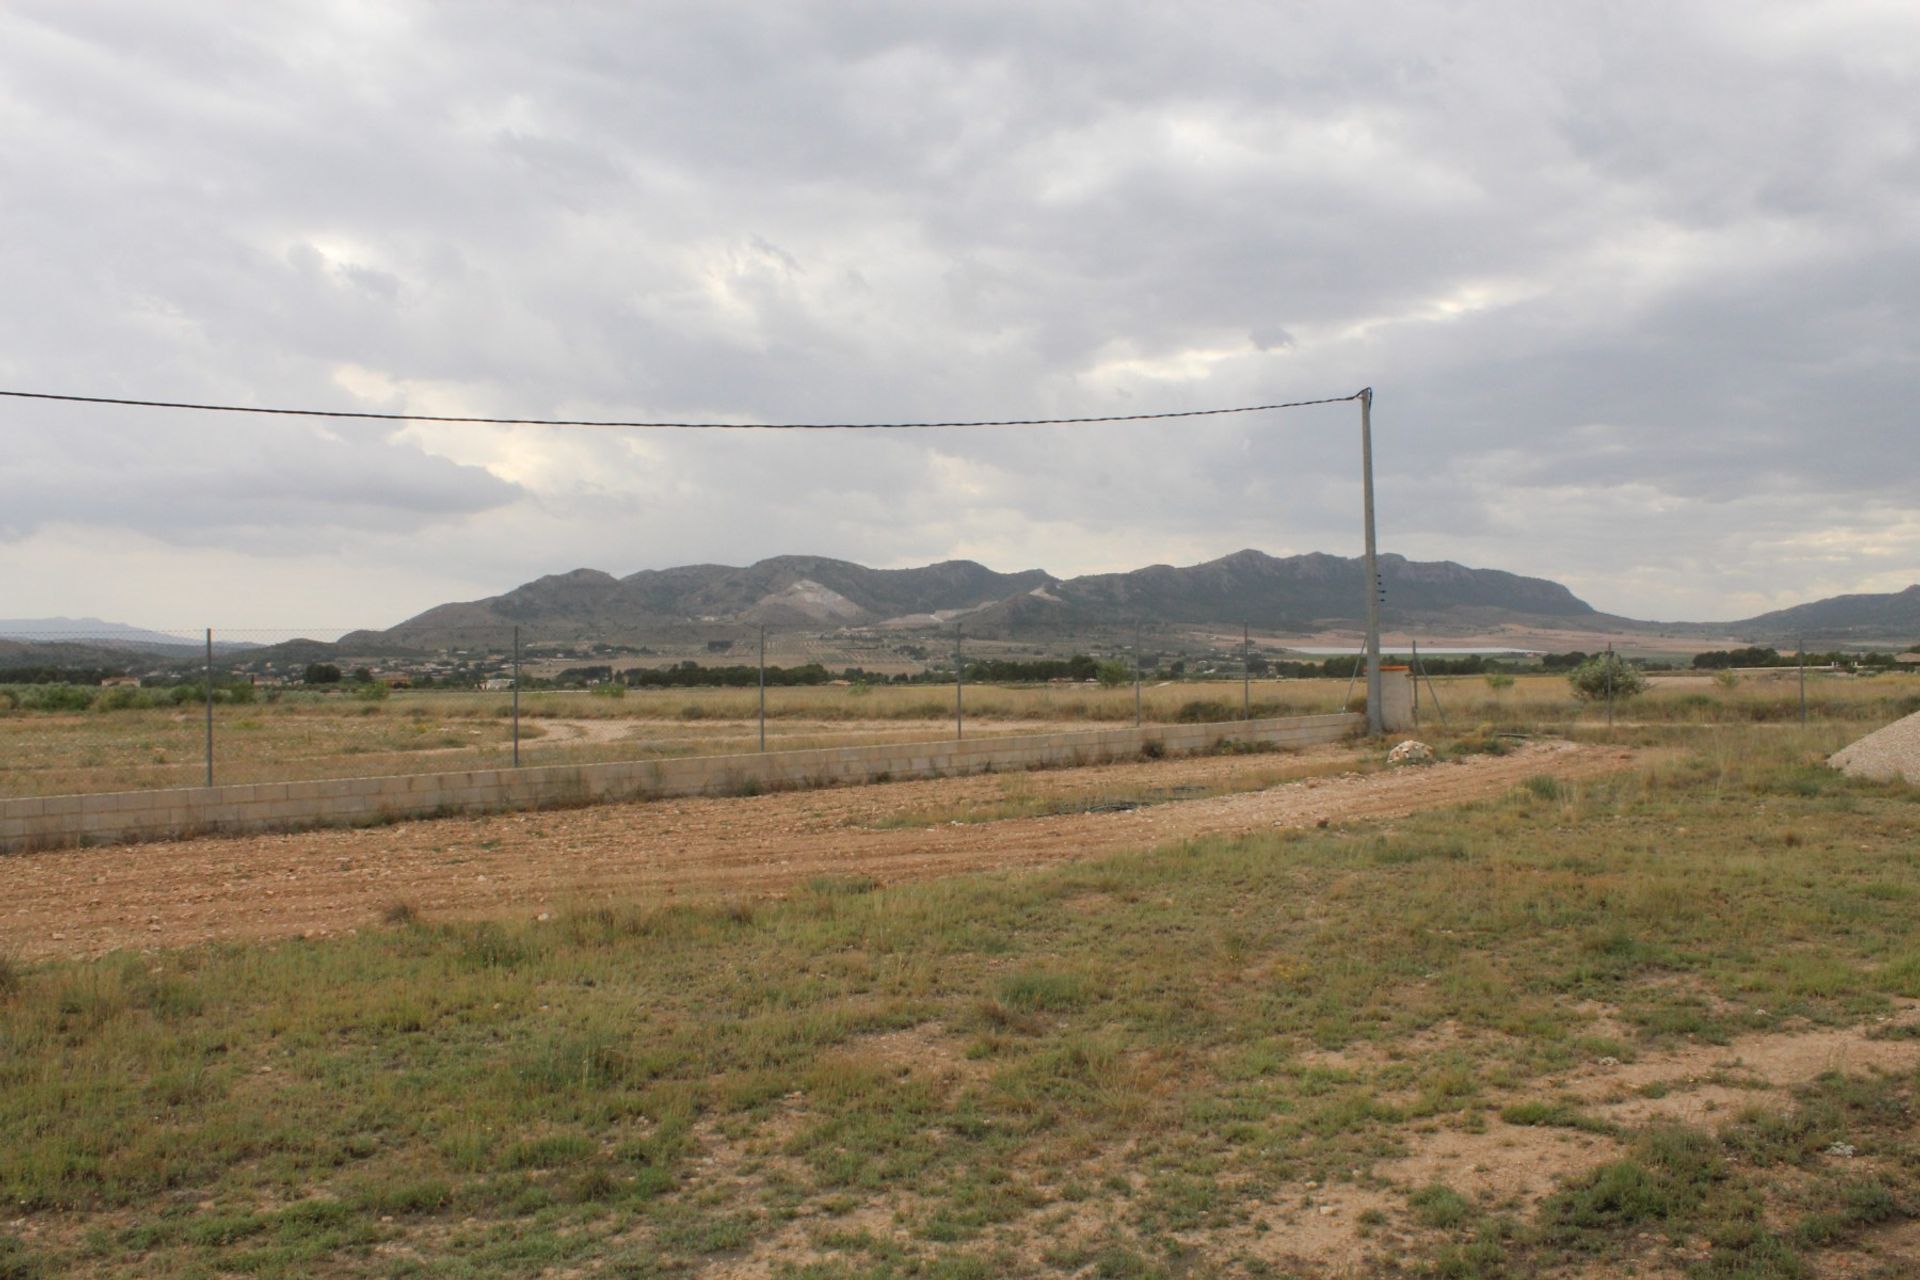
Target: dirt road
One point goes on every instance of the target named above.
(87, 901)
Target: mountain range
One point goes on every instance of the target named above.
(1302, 593)
(1299, 595)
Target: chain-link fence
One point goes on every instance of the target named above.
(119, 709)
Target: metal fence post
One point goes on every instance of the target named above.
(1801, 645)
(1609, 684)
(209, 706)
(1246, 671)
(1416, 684)
(516, 697)
(959, 686)
(1136, 674)
(763, 689)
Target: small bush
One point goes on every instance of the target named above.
(1606, 675)
(1499, 680)
(1439, 1206)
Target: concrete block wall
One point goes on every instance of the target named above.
(1396, 699)
(51, 821)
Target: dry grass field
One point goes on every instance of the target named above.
(1647, 1004)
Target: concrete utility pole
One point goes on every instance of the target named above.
(763, 688)
(1375, 725)
(516, 697)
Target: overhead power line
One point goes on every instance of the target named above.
(679, 426)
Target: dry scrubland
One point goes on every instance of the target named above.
(315, 736)
(1663, 1021)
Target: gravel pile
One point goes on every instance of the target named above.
(1892, 752)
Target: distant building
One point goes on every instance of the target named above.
(120, 682)
(496, 684)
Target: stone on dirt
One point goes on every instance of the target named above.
(1411, 752)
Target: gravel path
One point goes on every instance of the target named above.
(1892, 752)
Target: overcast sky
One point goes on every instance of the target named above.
(1638, 286)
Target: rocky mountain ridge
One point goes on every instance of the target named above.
(1302, 591)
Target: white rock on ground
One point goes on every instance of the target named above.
(1892, 752)
(1410, 752)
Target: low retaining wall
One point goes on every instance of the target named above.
(46, 821)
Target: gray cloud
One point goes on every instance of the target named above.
(1638, 288)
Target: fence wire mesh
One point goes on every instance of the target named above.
(118, 709)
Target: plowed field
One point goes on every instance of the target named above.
(88, 901)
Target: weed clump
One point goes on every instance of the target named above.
(842, 886)
(1545, 786)
(1439, 1206)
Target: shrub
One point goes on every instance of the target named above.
(1499, 680)
(322, 673)
(1606, 675)
(54, 697)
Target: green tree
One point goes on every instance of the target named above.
(1606, 675)
(1113, 673)
(322, 673)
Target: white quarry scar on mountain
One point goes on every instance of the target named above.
(816, 601)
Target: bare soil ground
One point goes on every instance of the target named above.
(1323, 1228)
(89, 901)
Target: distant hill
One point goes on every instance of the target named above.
(93, 642)
(812, 591)
(1890, 617)
(88, 631)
